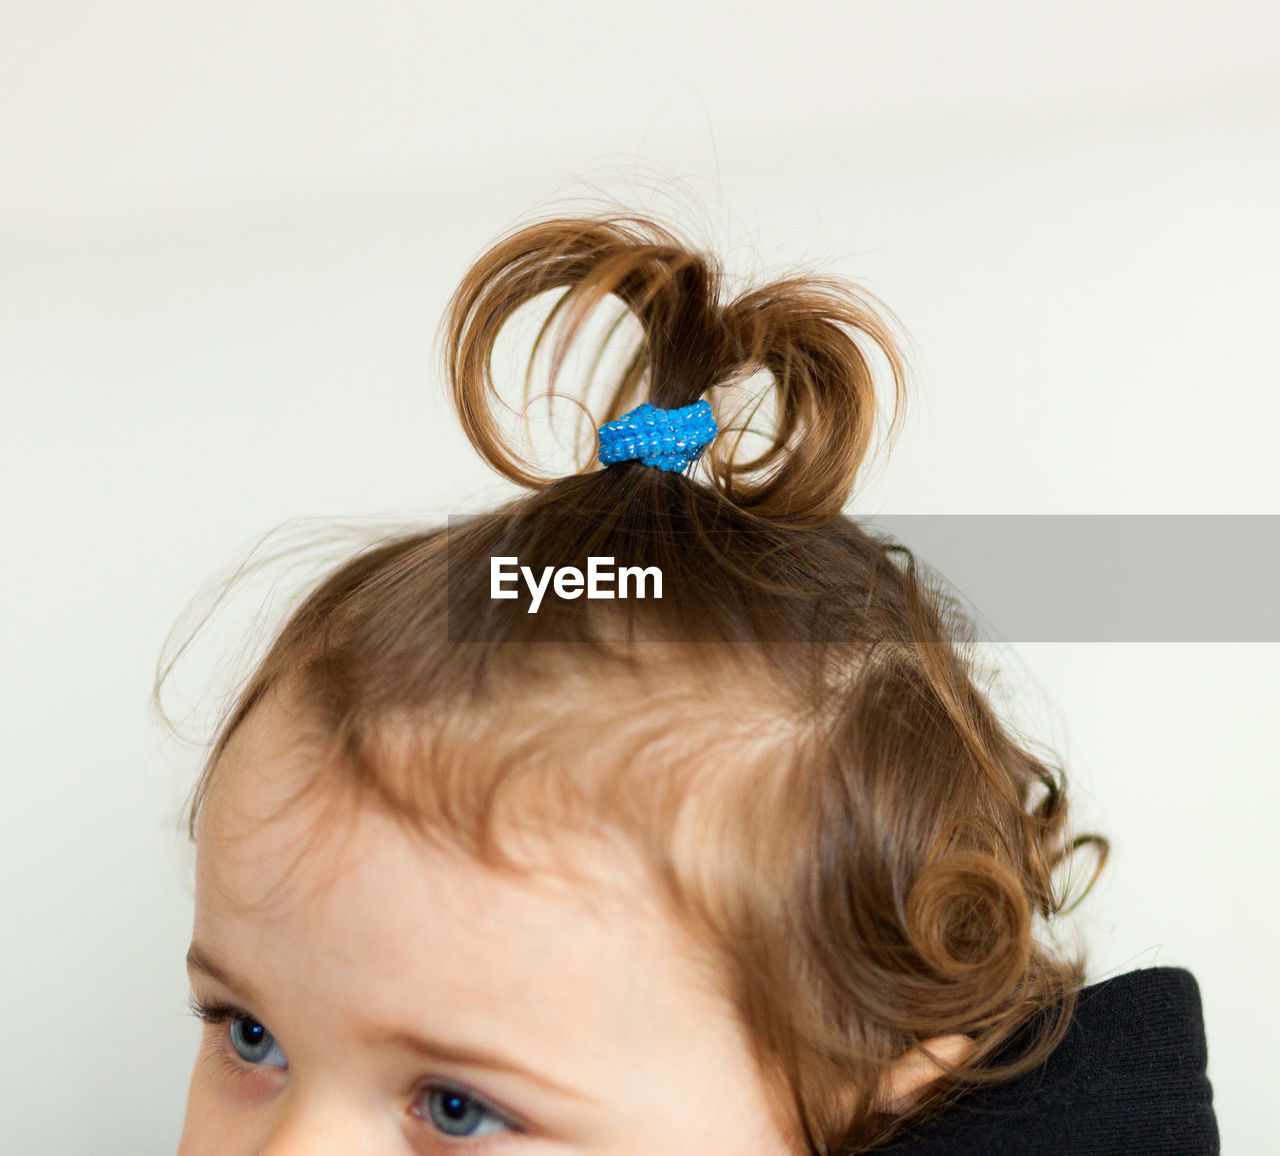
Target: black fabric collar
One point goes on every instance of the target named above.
(1129, 1078)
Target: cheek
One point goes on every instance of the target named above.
(227, 1112)
(201, 1123)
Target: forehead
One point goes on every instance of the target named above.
(280, 815)
(346, 907)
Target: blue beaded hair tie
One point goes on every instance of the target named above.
(667, 438)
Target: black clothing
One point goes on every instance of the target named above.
(1128, 1079)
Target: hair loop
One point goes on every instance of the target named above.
(803, 332)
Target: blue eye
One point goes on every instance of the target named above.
(254, 1044)
(455, 1113)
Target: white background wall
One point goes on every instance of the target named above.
(226, 235)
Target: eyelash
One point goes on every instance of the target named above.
(227, 1063)
(231, 1066)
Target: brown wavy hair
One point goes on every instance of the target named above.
(792, 738)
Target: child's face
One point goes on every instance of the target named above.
(390, 999)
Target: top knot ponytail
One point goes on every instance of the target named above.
(802, 331)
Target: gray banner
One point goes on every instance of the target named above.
(1104, 577)
(1075, 577)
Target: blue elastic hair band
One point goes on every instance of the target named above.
(667, 438)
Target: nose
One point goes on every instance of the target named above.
(319, 1125)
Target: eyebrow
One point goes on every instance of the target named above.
(451, 1053)
(438, 1051)
(199, 960)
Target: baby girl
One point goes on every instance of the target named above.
(740, 863)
